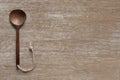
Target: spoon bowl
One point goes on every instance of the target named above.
(17, 18)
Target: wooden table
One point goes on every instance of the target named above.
(72, 39)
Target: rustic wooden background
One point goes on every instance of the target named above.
(72, 39)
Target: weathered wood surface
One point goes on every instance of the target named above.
(72, 39)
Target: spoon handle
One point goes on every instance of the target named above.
(17, 48)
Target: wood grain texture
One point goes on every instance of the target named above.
(72, 39)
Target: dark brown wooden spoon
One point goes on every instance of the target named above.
(17, 18)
